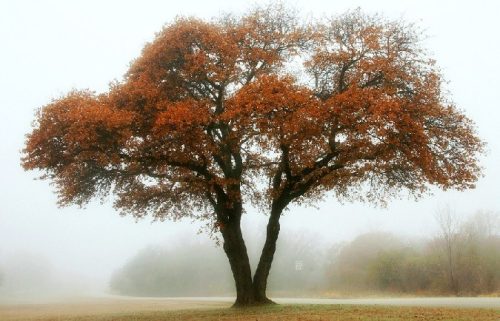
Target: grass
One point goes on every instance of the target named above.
(269, 313)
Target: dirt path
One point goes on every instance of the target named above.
(422, 302)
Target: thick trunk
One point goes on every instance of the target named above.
(251, 292)
(266, 257)
(236, 251)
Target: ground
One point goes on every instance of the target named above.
(180, 309)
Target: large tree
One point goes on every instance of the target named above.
(259, 109)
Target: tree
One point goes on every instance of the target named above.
(449, 226)
(259, 109)
(469, 250)
(353, 265)
(193, 269)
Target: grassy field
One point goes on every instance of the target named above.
(213, 311)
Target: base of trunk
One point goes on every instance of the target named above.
(253, 303)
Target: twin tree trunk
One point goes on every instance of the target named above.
(250, 291)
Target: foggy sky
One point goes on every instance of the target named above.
(49, 47)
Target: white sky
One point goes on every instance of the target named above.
(50, 47)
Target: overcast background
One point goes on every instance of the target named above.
(50, 47)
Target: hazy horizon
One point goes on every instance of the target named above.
(51, 47)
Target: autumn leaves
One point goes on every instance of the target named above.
(366, 104)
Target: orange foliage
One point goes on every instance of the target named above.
(212, 114)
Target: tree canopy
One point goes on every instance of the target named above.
(261, 108)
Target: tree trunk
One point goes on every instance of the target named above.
(236, 251)
(250, 292)
(266, 257)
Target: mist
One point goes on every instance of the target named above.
(305, 265)
(374, 262)
(49, 253)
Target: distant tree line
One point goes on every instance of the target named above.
(462, 258)
(200, 269)
(188, 270)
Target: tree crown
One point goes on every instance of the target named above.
(260, 107)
